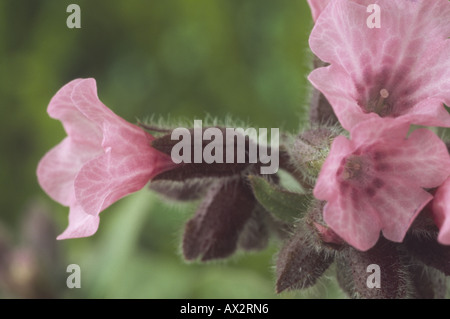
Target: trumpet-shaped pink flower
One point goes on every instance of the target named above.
(317, 6)
(374, 182)
(103, 158)
(441, 212)
(401, 69)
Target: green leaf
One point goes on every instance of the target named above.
(283, 204)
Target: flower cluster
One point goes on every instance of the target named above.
(380, 195)
(379, 81)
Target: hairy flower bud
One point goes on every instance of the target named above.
(299, 263)
(311, 148)
(255, 235)
(428, 283)
(429, 252)
(191, 189)
(322, 237)
(215, 229)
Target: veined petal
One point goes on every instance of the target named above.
(122, 170)
(444, 232)
(353, 220)
(78, 127)
(397, 204)
(80, 224)
(423, 159)
(84, 97)
(429, 77)
(441, 212)
(377, 129)
(338, 37)
(115, 130)
(340, 91)
(317, 6)
(57, 169)
(429, 112)
(407, 30)
(325, 188)
(406, 59)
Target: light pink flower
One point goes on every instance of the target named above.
(317, 6)
(103, 158)
(401, 69)
(441, 212)
(375, 180)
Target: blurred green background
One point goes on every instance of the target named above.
(178, 58)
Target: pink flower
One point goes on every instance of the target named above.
(317, 6)
(103, 158)
(375, 180)
(441, 212)
(401, 69)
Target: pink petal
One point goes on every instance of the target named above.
(398, 202)
(84, 98)
(78, 127)
(58, 168)
(122, 170)
(408, 56)
(376, 130)
(358, 218)
(429, 112)
(441, 212)
(354, 221)
(428, 85)
(423, 159)
(317, 6)
(325, 188)
(114, 128)
(444, 232)
(338, 38)
(407, 31)
(80, 224)
(340, 91)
